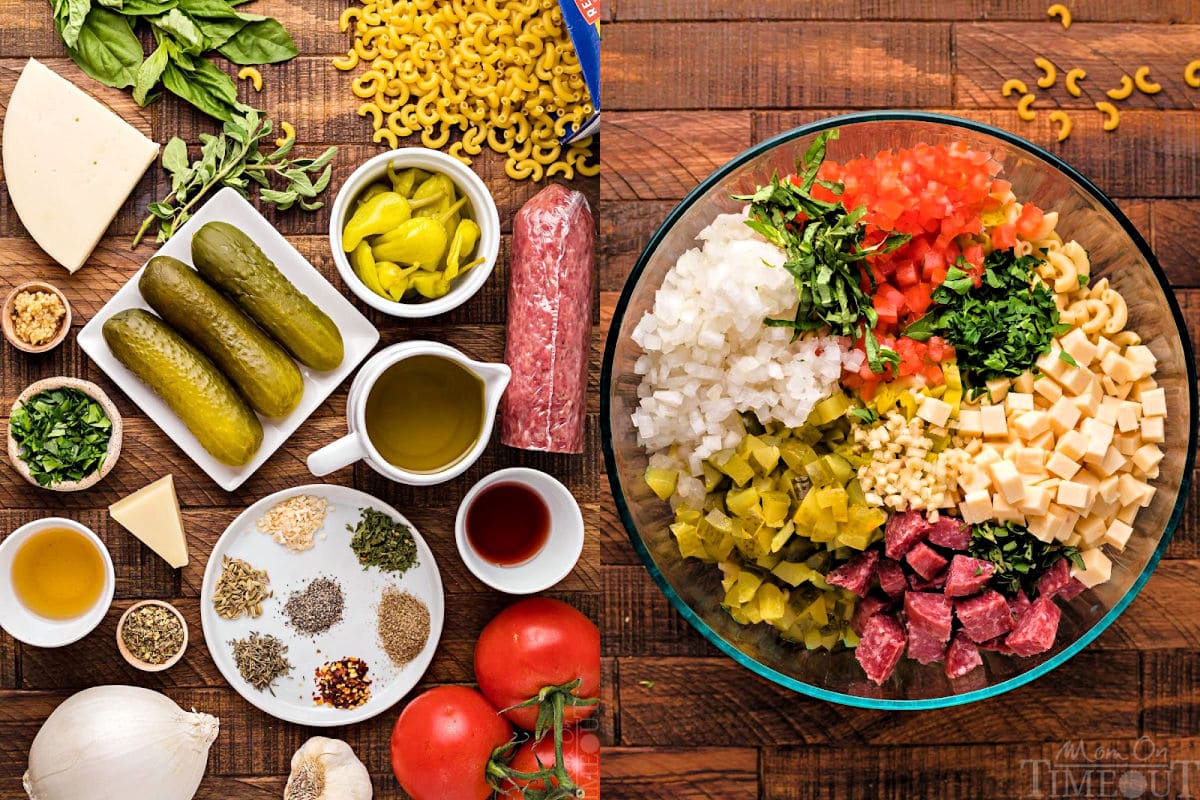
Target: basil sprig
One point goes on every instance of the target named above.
(823, 243)
(100, 36)
(62, 435)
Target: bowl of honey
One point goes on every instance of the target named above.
(519, 530)
(58, 585)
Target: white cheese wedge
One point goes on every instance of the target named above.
(69, 162)
(152, 515)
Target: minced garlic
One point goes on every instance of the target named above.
(904, 473)
(37, 316)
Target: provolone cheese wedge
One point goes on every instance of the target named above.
(69, 162)
(152, 515)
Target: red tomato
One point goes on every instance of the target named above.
(581, 758)
(534, 644)
(442, 744)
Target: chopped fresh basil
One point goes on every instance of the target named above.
(62, 435)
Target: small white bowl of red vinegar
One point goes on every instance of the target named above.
(519, 530)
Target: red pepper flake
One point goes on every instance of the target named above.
(342, 684)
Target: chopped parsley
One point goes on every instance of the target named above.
(62, 435)
(1020, 557)
(998, 329)
(823, 243)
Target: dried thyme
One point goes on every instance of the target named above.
(261, 660)
(380, 541)
(241, 589)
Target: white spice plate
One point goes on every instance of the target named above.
(354, 637)
(359, 336)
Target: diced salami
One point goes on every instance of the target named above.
(925, 561)
(919, 584)
(961, 657)
(1073, 589)
(984, 616)
(891, 578)
(951, 533)
(552, 278)
(1019, 604)
(924, 648)
(997, 645)
(855, 575)
(967, 575)
(882, 644)
(867, 607)
(1055, 579)
(930, 613)
(902, 533)
(1036, 629)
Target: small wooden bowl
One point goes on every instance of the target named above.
(137, 662)
(6, 320)
(114, 441)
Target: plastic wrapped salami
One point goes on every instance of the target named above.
(551, 285)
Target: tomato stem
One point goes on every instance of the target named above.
(556, 783)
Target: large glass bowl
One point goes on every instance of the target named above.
(1117, 252)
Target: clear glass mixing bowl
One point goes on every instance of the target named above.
(1117, 252)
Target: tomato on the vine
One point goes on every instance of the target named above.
(535, 645)
(443, 743)
(581, 759)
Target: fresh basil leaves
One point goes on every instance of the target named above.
(101, 38)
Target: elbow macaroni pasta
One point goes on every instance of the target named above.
(253, 74)
(500, 73)
(1123, 91)
(1064, 121)
(1062, 12)
(1072, 81)
(1025, 110)
(1046, 66)
(1141, 79)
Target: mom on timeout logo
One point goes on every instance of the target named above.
(1143, 769)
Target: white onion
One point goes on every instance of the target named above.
(119, 743)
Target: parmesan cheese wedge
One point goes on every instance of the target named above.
(69, 162)
(152, 515)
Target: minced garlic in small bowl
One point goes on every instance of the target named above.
(36, 317)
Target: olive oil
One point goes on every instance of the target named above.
(58, 573)
(425, 413)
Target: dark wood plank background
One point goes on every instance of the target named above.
(252, 755)
(686, 722)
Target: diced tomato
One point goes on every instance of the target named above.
(919, 297)
(1004, 237)
(906, 274)
(1030, 221)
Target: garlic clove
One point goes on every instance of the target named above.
(327, 769)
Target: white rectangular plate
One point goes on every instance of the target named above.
(358, 334)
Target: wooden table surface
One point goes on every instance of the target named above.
(689, 84)
(252, 755)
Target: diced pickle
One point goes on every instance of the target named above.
(662, 481)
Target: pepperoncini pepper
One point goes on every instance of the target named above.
(419, 241)
(405, 182)
(384, 212)
(365, 267)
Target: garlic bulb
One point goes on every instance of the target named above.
(327, 769)
(119, 743)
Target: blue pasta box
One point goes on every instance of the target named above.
(582, 19)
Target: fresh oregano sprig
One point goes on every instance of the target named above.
(233, 158)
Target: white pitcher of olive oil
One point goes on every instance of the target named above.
(419, 413)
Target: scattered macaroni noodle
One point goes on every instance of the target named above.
(1189, 74)
(288, 133)
(1062, 12)
(1113, 117)
(468, 73)
(1123, 91)
(1046, 66)
(1064, 121)
(253, 74)
(1072, 81)
(1024, 108)
(1141, 79)
(1015, 85)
